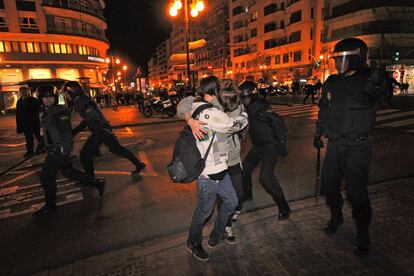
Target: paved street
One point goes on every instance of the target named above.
(135, 214)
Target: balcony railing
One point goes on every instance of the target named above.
(358, 5)
(72, 5)
(77, 32)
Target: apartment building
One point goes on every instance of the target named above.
(43, 39)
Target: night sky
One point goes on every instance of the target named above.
(136, 27)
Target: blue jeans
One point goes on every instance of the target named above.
(208, 190)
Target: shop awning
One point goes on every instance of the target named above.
(33, 84)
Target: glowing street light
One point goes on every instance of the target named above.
(119, 73)
(124, 67)
(196, 6)
(117, 61)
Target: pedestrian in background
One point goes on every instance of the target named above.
(310, 91)
(27, 119)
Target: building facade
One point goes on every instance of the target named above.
(273, 40)
(43, 39)
(386, 26)
(218, 38)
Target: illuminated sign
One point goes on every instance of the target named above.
(95, 59)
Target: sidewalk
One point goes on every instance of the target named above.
(266, 246)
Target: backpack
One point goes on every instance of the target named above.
(187, 164)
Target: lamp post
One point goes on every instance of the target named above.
(196, 7)
(113, 62)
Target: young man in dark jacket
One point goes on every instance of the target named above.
(27, 119)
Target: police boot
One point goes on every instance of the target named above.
(284, 209)
(138, 169)
(336, 220)
(47, 211)
(100, 185)
(362, 243)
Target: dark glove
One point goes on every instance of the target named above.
(378, 77)
(282, 149)
(317, 142)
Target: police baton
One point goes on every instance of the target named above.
(318, 174)
(21, 162)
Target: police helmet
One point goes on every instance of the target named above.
(73, 89)
(350, 54)
(45, 91)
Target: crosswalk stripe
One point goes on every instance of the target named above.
(294, 112)
(400, 123)
(296, 108)
(18, 178)
(312, 113)
(385, 111)
(393, 116)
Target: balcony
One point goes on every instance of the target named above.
(358, 5)
(77, 32)
(70, 5)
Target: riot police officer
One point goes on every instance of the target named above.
(100, 128)
(57, 135)
(267, 132)
(346, 118)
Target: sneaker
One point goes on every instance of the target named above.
(45, 212)
(212, 243)
(235, 216)
(197, 250)
(229, 236)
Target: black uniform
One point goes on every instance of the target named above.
(27, 121)
(347, 117)
(267, 132)
(56, 125)
(101, 134)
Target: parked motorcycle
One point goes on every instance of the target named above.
(159, 105)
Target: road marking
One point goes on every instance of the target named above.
(8, 190)
(393, 116)
(149, 169)
(129, 130)
(400, 123)
(69, 199)
(12, 145)
(18, 178)
(12, 152)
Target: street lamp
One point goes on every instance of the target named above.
(113, 62)
(196, 6)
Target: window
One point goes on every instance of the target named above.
(36, 47)
(50, 48)
(84, 28)
(2, 50)
(23, 47)
(282, 6)
(237, 10)
(294, 37)
(270, 9)
(270, 27)
(82, 4)
(296, 17)
(270, 43)
(253, 32)
(236, 65)
(63, 48)
(28, 25)
(311, 33)
(311, 13)
(297, 56)
(243, 64)
(56, 47)
(277, 59)
(3, 25)
(1, 4)
(253, 16)
(285, 58)
(61, 23)
(30, 47)
(253, 48)
(282, 24)
(69, 48)
(25, 5)
(268, 61)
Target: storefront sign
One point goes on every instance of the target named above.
(95, 59)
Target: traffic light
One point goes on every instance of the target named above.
(318, 63)
(396, 56)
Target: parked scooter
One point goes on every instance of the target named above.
(159, 105)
